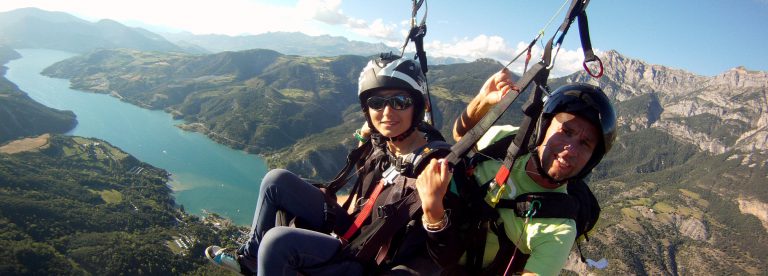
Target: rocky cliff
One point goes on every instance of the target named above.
(683, 191)
(718, 113)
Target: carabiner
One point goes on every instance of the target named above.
(554, 57)
(532, 209)
(586, 68)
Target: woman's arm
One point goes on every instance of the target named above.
(443, 243)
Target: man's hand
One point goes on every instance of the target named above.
(495, 88)
(432, 184)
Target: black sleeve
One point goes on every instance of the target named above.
(446, 247)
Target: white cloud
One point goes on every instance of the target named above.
(357, 23)
(378, 30)
(495, 47)
(481, 46)
(329, 12)
(326, 11)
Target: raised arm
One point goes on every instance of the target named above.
(490, 94)
(443, 243)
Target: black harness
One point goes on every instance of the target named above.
(578, 204)
(396, 208)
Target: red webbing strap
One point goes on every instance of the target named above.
(365, 212)
(502, 175)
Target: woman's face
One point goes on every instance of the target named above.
(391, 111)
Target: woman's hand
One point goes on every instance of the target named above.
(432, 184)
(364, 132)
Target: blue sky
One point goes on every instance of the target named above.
(706, 37)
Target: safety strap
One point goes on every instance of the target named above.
(531, 110)
(586, 45)
(343, 177)
(365, 212)
(576, 11)
(417, 34)
(538, 74)
(379, 231)
(533, 107)
(460, 149)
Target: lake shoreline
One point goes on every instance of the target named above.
(206, 174)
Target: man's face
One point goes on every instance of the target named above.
(568, 145)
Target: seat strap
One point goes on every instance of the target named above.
(365, 212)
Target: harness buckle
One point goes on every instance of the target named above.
(389, 175)
(361, 202)
(384, 211)
(341, 239)
(495, 192)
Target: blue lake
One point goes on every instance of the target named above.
(206, 175)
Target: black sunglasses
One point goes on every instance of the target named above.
(399, 102)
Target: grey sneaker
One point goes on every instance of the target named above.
(226, 258)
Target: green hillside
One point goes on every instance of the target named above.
(674, 208)
(259, 100)
(256, 100)
(78, 206)
(21, 116)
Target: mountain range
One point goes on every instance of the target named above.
(36, 28)
(682, 191)
(284, 42)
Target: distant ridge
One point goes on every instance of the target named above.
(36, 28)
(290, 43)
